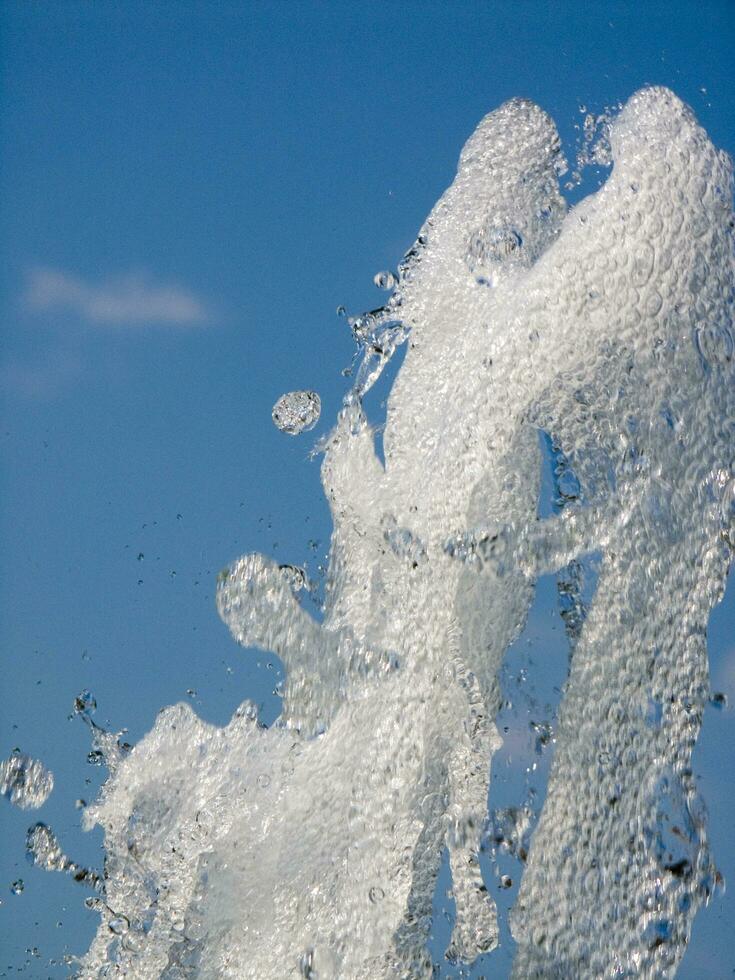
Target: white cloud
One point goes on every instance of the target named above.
(125, 301)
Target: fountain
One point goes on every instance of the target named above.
(312, 848)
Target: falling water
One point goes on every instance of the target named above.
(312, 848)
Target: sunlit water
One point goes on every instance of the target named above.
(312, 848)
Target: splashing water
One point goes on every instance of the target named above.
(312, 848)
(25, 782)
(43, 849)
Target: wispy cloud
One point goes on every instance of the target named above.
(132, 300)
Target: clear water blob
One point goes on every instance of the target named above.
(385, 279)
(85, 704)
(26, 782)
(297, 411)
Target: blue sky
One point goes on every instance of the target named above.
(188, 191)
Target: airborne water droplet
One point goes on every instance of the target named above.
(44, 850)
(26, 782)
(297, 411)
(85, 704)
(384, 280)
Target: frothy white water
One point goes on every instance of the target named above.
(312, 848)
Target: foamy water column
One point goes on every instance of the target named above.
(312, 848)
(638, 294)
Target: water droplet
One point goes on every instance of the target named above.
(510, 830)
(506, 881)
(26, 782)
(297, 411)
(376, 894)
(264, 780)
(295, 576)
(384, 280)
(544, 734)
(84, 704)
(44, 850)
